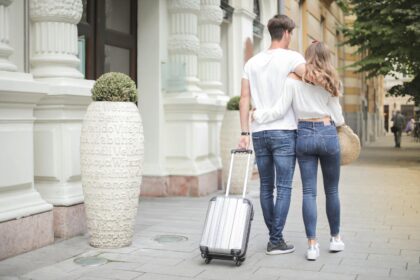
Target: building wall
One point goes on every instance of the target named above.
(189, 64)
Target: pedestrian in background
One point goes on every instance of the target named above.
(410, 126)
(397, 128)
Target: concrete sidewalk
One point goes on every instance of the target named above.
(380, 198)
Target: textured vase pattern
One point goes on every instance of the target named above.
(229, 138)
(111, 158)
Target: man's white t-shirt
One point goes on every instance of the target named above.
(267, 73)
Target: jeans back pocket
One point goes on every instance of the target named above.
(331, 144)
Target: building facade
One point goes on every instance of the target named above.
(186, 57)
(392, 104)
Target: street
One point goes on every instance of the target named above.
(380, 206)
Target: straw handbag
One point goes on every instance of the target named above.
(349, 144)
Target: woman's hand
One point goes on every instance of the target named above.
(252, 114)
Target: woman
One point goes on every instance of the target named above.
(319, 112)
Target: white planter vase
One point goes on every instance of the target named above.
(111, 160)
(229, 139)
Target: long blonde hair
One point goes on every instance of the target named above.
(319, 68)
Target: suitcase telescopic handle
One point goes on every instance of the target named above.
(234, 152)
(241, 151)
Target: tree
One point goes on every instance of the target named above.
(387, 35)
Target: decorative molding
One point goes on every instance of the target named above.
(211, 51)
(210, 14)
(192, 6)
(56, 10)
(55, 38)
(245, 12)
(184, 44)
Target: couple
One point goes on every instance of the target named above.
(290, 93)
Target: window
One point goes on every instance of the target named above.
(108, 37)
(258, 26)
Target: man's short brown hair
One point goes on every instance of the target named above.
(278, 24)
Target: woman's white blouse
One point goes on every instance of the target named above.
(308, 101)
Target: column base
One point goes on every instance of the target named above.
(178, 185)
(26, 234)
(69, 221)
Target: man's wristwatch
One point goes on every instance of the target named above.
(243, 133)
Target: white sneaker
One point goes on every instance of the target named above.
(336, 244)
(313, 252)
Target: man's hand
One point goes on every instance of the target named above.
(244, 142)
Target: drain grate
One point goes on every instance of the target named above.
(90, 261)
(170, 238)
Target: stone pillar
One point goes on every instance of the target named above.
(54, 44)
(25, 218)
(210, 54)
(5, 49)
(242, 25)
(209, 70)
(59, 115)
(190, 114)
(183, 42)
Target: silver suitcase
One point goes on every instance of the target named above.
(228, 223)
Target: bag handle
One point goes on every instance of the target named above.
(234, 152)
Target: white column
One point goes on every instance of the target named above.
(190, 113)
(242, 25)
(54, 45)
(209, 70)
(58, 115)
(210, 54)
(18, 96)
(183, 43)
(5, 49)
(150, 28)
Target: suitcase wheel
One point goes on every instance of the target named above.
(207, 260)
(238, 261)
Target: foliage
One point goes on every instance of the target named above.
(344, 5)
(114, 86)
(233, 103)
(387, 35)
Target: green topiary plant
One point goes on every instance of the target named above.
(233, 104)
(114, 86)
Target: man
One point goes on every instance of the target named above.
(399, 122)
(274, 142)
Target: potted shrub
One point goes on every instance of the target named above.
(229, 139)
(111, 159)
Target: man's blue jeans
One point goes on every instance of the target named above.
(319, 142)
(276, 160)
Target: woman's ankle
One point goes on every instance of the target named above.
(312, 242)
